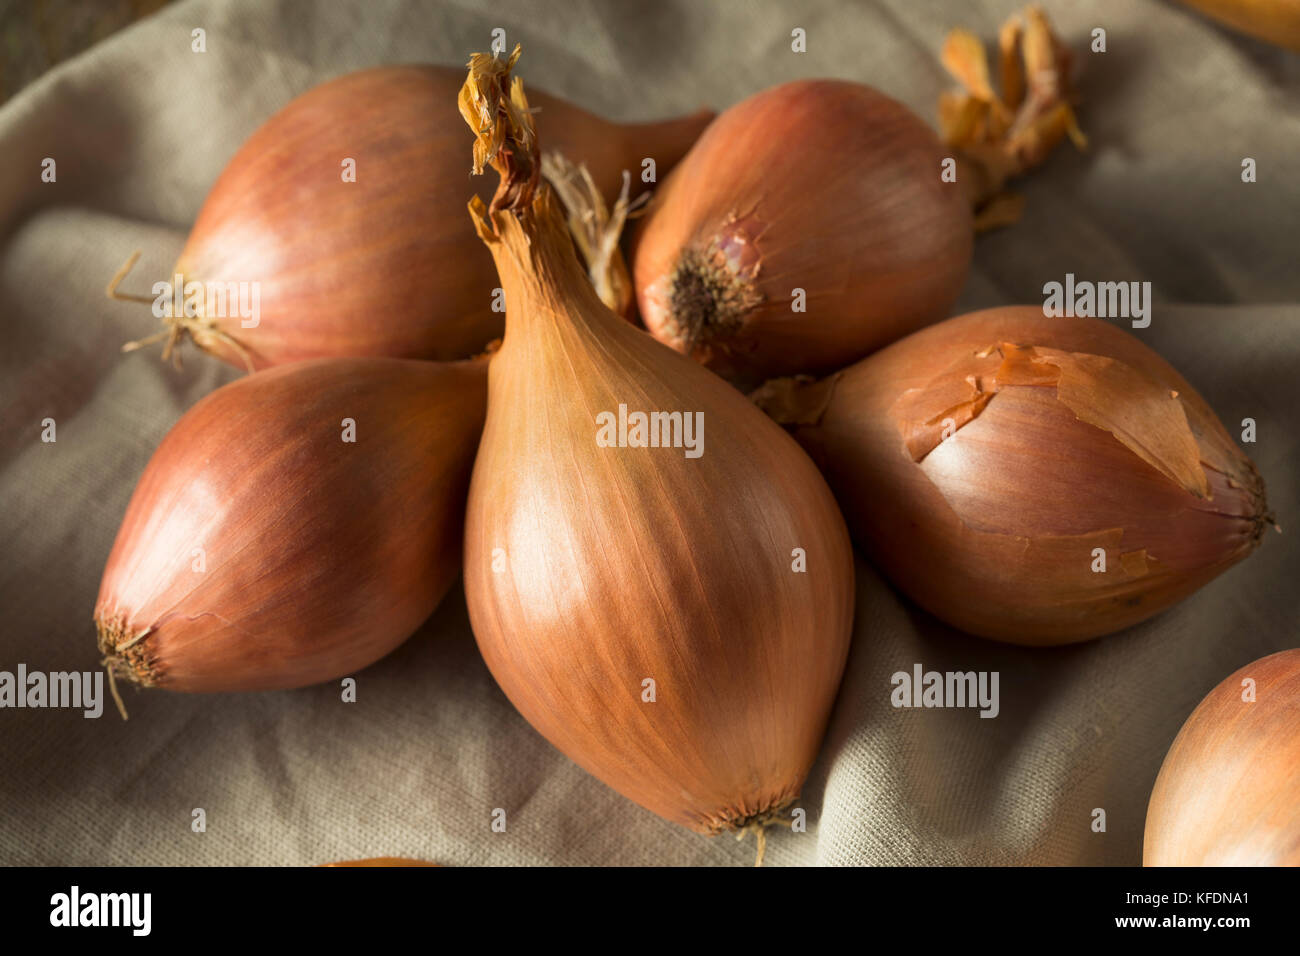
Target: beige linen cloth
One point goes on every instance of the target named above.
(140, 126)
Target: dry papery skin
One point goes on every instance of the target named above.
(1001, 137)
(596, 228)
(591, 569)
(1228, 793)
(386, 265)
(319, 556)
(982, 460)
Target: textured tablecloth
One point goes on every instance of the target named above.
(140, 127)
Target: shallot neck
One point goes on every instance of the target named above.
(539, 268)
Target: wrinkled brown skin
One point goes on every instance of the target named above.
(993, 530)
(1228, 793)
(389, 264)
(623, 564)
(321, 555)
(836, 189)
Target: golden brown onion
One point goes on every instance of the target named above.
(675, 623)
(385, 265)
(988, 464)
(820, 220)
(823, 186)
(262, 550)
(1228, 793)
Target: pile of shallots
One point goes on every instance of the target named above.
(653, 523)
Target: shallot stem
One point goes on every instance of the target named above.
(497, 110)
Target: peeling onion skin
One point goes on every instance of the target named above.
(386, 265)
(1228, 793)
(993, 528)
(823, 185)
(321, 556)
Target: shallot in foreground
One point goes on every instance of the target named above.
(671, 608)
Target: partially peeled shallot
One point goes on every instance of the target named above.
(1031, 479)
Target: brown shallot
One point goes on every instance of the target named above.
(338, 229)
(656, 575)
(1031, 479)
(1228, 793)
(293, 526)
(820, 220)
